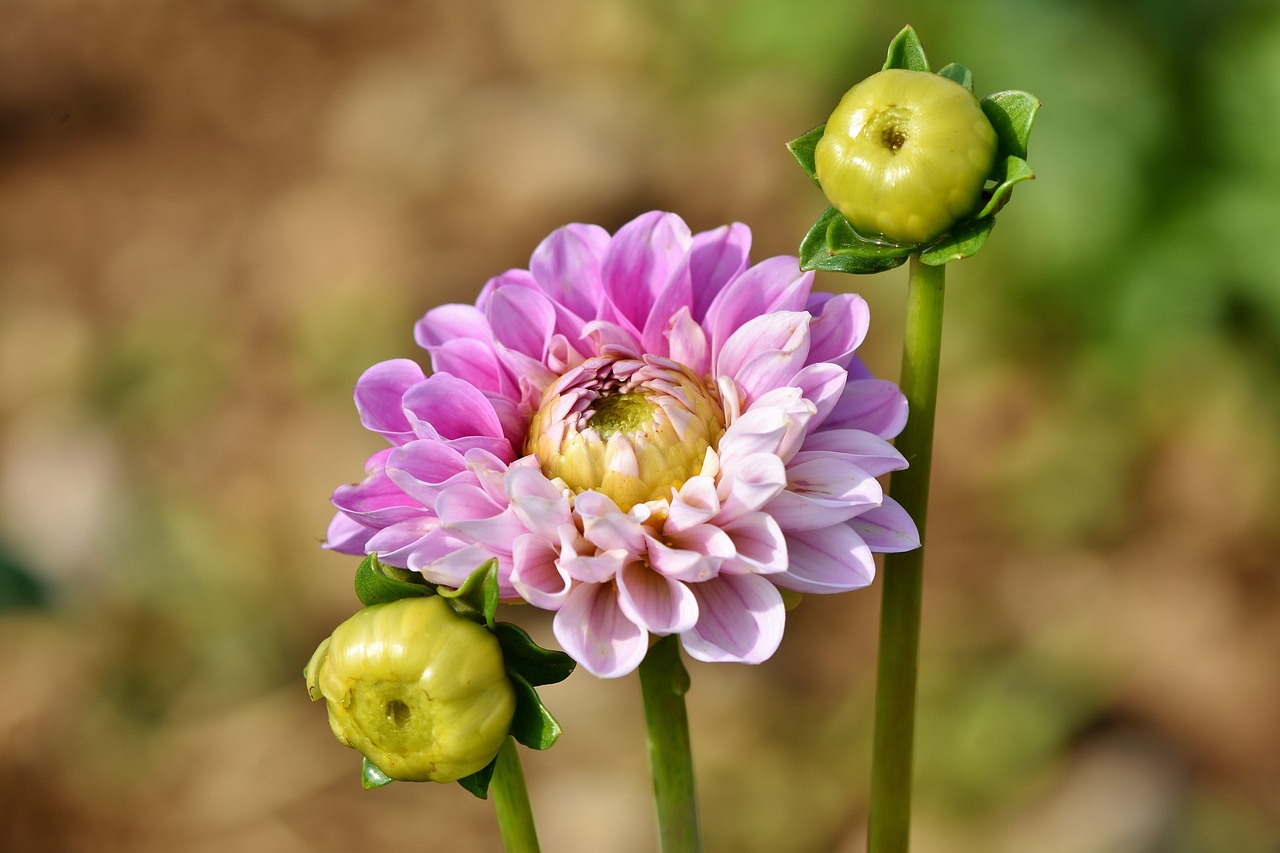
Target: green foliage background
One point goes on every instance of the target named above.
(215, 215)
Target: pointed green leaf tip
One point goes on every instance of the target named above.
(478, 783)
(905, 51)
(533, 725)
(371, 777)
(959, 74)
(834, 246)
(477, 598)
(1012, 114)
(802, 148)
(378, 583)
(530, 661)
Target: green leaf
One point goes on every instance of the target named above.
(802, 148)
(378, 583)
(905, 51)
(533, 724)
(1012, 114)
(963, 242)
(477, 598)
(958, 73)
(834, 246)
(371, 777)
(1014, 171)
(530, 661)
(478, 783)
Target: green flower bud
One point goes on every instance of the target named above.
(420, 691)
(905, 155)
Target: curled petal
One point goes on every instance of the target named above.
(606, 526)
(694, 555)
(887, 528)
(740, 619)
(471, 360)
(395, 543)
(452, 408)
(640, 261)
(522, 320)
(821, 384)
(839, 329)
(750, 483)
(759, 545)
(824, 491)
(593, 630)
(766, 352)
(654, 602)
(422, 468)
(536, 573)
(539, 505)
(870, 452)
(376, 501)
(449, 322)
(688, 343)
(695, 503)
(830, 559)
(380, 394)
(472, 514)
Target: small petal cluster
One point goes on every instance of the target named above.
(650, 436)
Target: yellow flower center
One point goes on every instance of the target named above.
(631, 429)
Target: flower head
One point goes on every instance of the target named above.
(647, 433)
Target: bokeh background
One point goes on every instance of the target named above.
(214, 215)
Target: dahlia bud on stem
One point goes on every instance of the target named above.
(916, 168)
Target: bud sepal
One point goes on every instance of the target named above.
(911, 222)
(454, 619)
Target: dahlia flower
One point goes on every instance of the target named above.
(649, 435)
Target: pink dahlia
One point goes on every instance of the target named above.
(648, 435)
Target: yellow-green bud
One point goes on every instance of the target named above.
(420, 691)
(905, 155)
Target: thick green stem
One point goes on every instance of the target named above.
(511, 802)
(891, 759)
(663, 683)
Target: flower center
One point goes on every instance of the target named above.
(633, 429)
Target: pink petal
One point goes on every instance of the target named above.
(445, 559)
(740, 619)
(871, 453)
(675, 295)
(471, 360)
(821, 384)
(471, 513)
(593, 630)
(421, 468)
(394, 544)
(566, 265)
(839, 329)
(537, 575)
(640, 261)
(716, 258)
(687, 343)
(376, 501)
(831, 559)
(539, 505)
(654, 602)
(766, 352)
(748, 483)
(453, 409)
(759, 544)
(874, 405)
(775, 284)
(347, 536)
(449, 322)
(380, 394)
(887, 529)
(824, 491)
(522, 320)
(687, 561)
(606, 526)
(695, 503)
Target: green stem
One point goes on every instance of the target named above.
(890, 819)
(511, 802)
(663, 683)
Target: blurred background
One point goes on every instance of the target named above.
(215, 215)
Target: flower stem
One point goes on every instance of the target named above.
(511, 802)
(663, 683)
(890, 818)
